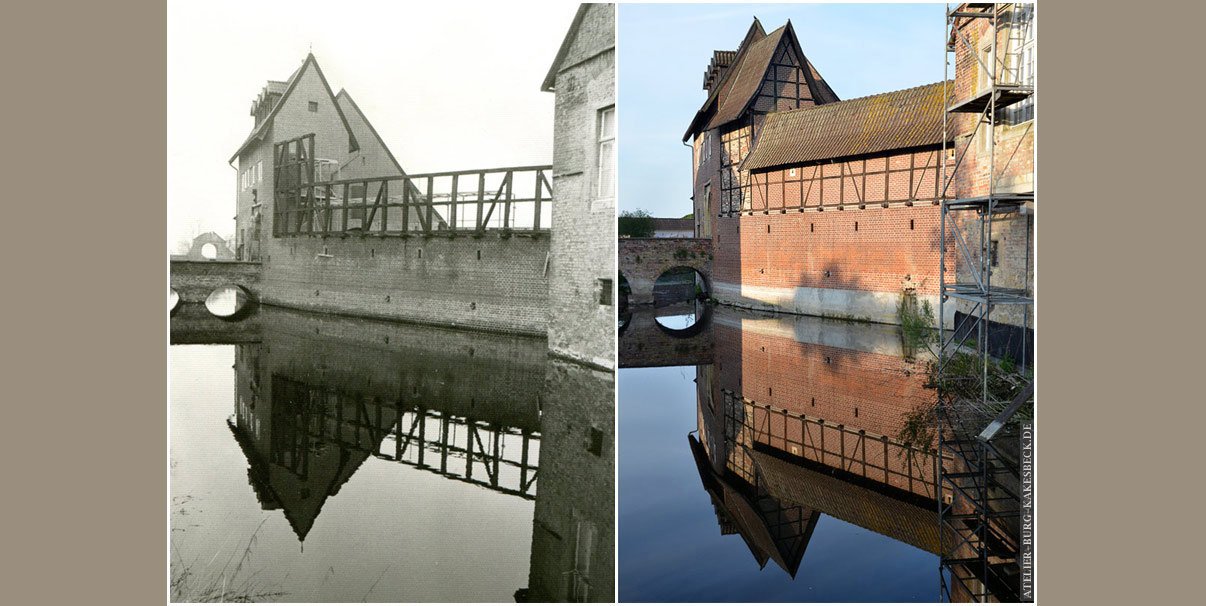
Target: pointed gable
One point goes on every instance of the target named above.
(769, 73)
(753, 34)
(364, 132)
(310, 65)
(584, 39)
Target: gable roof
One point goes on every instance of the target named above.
(895, 120)
(262, 129)
(740, 83)
(343, 94)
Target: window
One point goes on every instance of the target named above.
(259, 171)
(605, 291)
(983, 75)
(992, 253)
(314, 106)
(607, 153)
(1021, 61)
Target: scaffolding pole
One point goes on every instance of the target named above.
(978, 503)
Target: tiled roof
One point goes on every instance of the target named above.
(738, 90)
(908, 522)
(740, 82)
(900, 119)
(673, 224)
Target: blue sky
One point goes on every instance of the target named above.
(860, 49)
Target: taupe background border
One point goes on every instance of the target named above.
(85, 371)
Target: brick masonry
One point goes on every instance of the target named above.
(643, 260)
(487, 283)
(643, 343)
(1013, 171)
(851, 263)
(582, 255)
(195, 280)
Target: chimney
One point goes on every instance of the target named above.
(721, 60)
(262, 105)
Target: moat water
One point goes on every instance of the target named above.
(322, 459)
(727, 489)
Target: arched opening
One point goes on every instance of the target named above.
(679, 299)
(227, 301)
(679, 285)
(173, 299)
(209, 251)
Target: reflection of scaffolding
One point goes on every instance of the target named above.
(979, 506)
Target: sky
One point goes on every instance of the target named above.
(663, 50)
(448, 85)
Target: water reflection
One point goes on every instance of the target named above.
(681, 316)
(227, 301)
(390, 462)
(794, 426)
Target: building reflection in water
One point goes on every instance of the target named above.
(318, 396)
(798, 418)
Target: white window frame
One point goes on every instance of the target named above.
(604, 140)
(1025, 69)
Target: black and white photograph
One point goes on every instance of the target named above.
(392, 301)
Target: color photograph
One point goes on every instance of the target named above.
(826, 263)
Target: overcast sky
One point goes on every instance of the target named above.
(448, 85)
(860, 50)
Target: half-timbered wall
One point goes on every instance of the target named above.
(784, 87)
(896, 178)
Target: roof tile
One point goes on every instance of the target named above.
(899, 119)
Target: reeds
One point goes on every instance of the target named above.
(191, 583)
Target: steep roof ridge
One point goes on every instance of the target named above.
(754, 33)
(293, 80)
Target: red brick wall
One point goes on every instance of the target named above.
(831, 384)
(883, 255)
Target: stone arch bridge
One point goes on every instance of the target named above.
(643, 260)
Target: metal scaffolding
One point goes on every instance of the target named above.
(979, 507)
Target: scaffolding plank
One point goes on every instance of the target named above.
(1006, 95)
